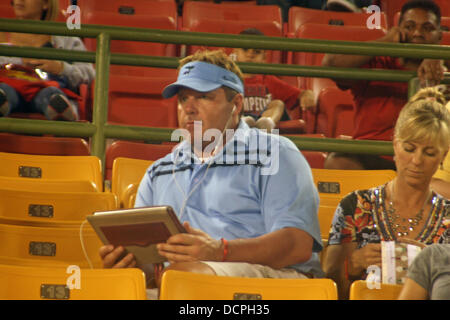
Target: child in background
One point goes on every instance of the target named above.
(266, 96)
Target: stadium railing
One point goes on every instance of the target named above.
(99, 130)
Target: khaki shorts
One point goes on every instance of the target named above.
(248, 270)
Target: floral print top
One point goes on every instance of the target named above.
(361, 217)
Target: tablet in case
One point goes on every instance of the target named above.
(138, 230)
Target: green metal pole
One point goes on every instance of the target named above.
(100, 112)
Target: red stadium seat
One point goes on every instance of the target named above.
(299, 16)
(232, 18)
(57, 146)
(194, 11)
(132, 13)
(134, 150)
(445, 38)
(335, 112)
(6, 9)
(138, 100)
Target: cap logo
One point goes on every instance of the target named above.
(189, 68)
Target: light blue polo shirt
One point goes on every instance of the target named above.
(258, 183)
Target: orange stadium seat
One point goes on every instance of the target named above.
(57, 146)
(27, 166)
(210, 17)
(361, 290)
(299, 16)
(134, 150)
(49, 246)
(127, 174)
(179, 285)
(27, 207)
(137, 100)
(62, 283)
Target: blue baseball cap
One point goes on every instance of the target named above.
(203, 77)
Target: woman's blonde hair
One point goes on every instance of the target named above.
(425, 118)
(219, 58)
(51, 14)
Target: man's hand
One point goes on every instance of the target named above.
(50, 66)
(195, 245)
(111, 257)
(395, 34)
(431, 72)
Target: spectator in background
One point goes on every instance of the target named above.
(49, 87)
(405, 208)
(266, 96)
(378, 103)
(429, 275)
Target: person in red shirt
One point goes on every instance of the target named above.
(267, 97)
(378, 103)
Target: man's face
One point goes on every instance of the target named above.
(211, 108)
(420, 27)
(250, 55)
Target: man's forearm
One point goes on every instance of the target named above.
(277, 249)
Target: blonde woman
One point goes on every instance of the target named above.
(54, 92)
(402, 209)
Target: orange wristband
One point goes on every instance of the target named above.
(225, 248)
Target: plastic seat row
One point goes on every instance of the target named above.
(37, 283)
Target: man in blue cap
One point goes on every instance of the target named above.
(244, 216)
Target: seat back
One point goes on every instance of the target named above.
(127, 174)
(48, 185)
(49, 246)
(327, 208)
(342, 182)
(49, 207)
(232, 18)
(298, 16)
(65, 283)
(136, 14)
(135, 150)
(178, 285)
(52, 167)
(137, 100)
(361, 290)
(57, 146)
(335, 112)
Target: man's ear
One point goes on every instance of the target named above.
(238, 101)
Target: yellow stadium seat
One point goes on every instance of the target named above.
(327, 207)
(342, 182)
(52, 167)
(178, 285)
(361, 290)
(70, 283)
(49, 246)
(48, 185)
(127, 173)
(46, 208)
